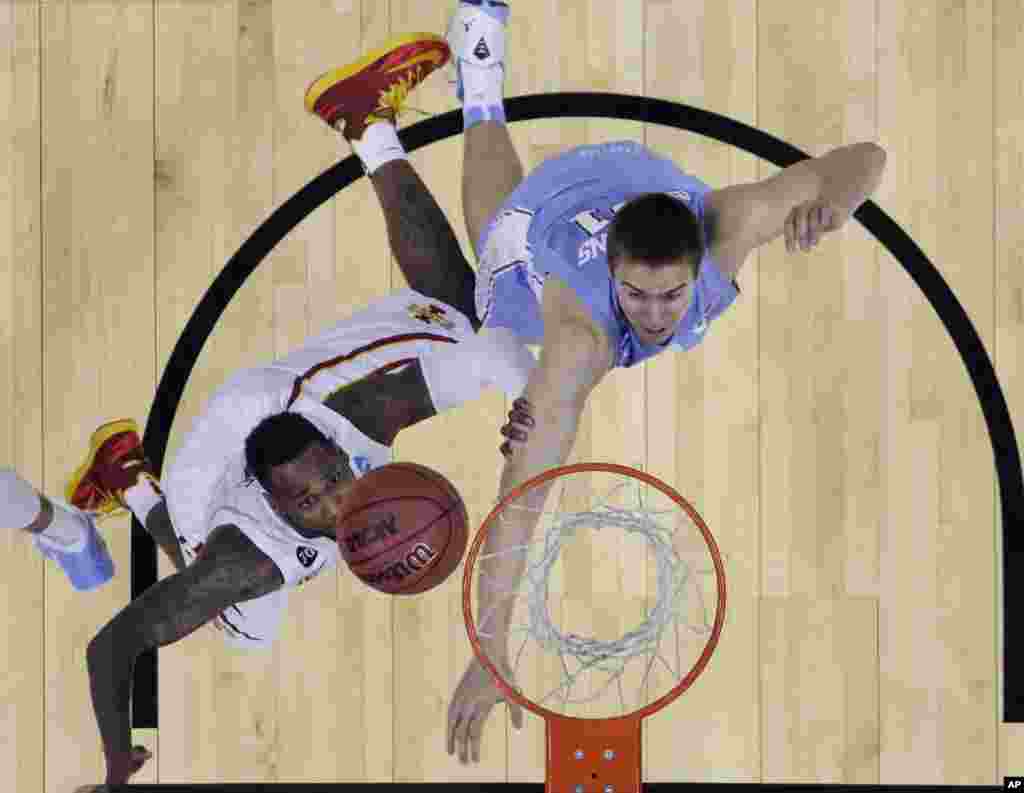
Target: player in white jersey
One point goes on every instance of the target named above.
(388, 366)
(249, 507)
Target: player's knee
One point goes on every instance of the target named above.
(492, 358)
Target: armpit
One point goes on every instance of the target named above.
(231, 570)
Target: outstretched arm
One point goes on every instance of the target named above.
(231, 570)
(802, 201)
(575, 356)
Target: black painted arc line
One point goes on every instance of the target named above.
(593, 105)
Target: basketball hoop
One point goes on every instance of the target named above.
(590, 749)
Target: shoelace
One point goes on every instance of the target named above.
(109, 506)
(396, 95)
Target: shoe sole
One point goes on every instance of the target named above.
(103, 434)
(322, 83)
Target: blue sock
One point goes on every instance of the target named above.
(471, 116)
(495, 8)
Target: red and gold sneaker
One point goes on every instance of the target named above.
(375, 87)
(116, 462)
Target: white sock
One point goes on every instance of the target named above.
(379, 145)
(142, 498)
(483, 86)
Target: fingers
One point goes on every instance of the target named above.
(474, 698)
(519, 417)
(475, 731)
(792, 223)
(810, 228)
(455, 717)
(816, 225)
(459, 718)
(469, 739)
(511, 446)
(123, 765)
(464, 732)
(805, 225)
(518, 428)
(802, 220)
(450, 742)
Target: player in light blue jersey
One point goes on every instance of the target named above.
(605, 255)
(574, 219)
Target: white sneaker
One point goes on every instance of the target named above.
(476, 34)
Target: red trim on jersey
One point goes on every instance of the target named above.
(376, 345)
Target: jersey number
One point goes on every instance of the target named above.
(592, 224)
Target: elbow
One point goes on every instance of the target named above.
(878, 166)
(99, 643)
(111, 642)
(876, 156)
(99, 653)
(879, 154)
(868, 148)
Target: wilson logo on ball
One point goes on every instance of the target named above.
(418, 558)
(381, 530)
(404, 529)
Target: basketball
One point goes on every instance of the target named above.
(405, 529)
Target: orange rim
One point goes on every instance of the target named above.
(546, 476)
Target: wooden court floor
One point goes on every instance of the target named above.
(827, 429)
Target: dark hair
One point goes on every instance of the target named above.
(276, 440)
(656, 229)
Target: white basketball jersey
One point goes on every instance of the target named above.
(391, 333)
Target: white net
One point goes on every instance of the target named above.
(614, 552)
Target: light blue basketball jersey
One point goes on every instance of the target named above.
(572, 199)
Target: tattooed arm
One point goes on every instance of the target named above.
(230, 570)
(422, 240)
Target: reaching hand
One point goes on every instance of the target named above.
(809, 221)
(121, 767)
(518, 428)
(474, 698)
